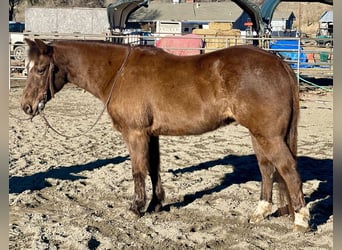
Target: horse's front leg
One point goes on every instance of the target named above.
(137, 142)
(154, 169)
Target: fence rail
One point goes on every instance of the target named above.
(319, 61)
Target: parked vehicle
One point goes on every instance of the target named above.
(16, 39)
(137, 37)
(146, 37)
(325, 41)
(16, 26)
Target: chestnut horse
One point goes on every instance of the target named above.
(149, 92)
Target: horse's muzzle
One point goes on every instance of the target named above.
(28, 109)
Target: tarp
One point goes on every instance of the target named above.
(288, 50)
(181, 45)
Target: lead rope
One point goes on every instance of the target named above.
(104, 106)
(19, 118)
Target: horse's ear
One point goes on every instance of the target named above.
(43, 48)
(29, 42)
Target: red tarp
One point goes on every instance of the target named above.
(181, 45)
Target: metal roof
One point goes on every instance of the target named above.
(219, 11)
(327, 17)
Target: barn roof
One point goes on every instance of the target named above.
(219, 11)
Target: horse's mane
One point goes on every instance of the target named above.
(100, 42)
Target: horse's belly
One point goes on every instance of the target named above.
(188, 125)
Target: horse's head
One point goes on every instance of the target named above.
(44, 77)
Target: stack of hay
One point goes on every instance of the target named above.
(219, 36)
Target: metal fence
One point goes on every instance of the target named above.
(319, 60)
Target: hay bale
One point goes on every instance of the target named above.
(219, 36)
(208, 32)
(234, 32)
(204, 32)
(220, 26)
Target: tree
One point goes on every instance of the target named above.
(12, 5)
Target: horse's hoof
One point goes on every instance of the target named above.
(301, 221)
(263, 210)
(154, 207)
(136, 211)
(256, 218)
(300, 228)
(283, 211)
(158, 208)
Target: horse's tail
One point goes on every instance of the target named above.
(291, 140)
(292, 131)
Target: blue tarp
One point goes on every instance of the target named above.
(292, 53)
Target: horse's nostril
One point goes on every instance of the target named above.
(28, 109)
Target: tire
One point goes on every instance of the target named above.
(328, 44)
(19, 53)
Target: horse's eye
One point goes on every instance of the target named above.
(41, 71)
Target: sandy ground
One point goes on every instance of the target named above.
(75, 193)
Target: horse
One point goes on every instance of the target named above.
(148, 92)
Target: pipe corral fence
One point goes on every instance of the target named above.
(305, 58)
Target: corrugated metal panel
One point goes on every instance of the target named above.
(66, 20)
(41, 20)
(221, 11)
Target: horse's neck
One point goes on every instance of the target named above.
(87, 70)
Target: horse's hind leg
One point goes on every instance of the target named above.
(267, 171)
(137, 142)
(154, 168)
(277, 151)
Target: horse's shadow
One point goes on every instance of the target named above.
(37, 181)
(246, 169)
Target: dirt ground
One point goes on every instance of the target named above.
(75, 193)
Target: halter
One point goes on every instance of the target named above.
(49, 85)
